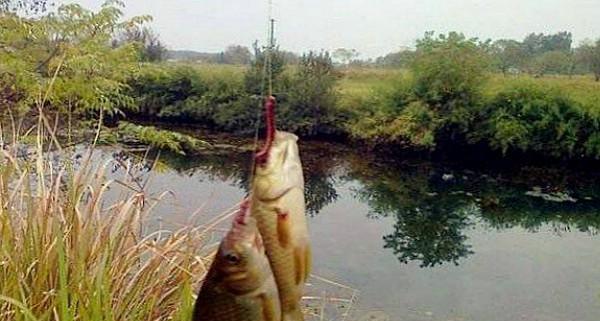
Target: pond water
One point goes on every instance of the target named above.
(424, 241)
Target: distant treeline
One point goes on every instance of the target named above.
(538, 54)
(233, 55)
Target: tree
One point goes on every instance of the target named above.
(588, 54)
(149, 46)
(551, 62)
(72, 46)
(399, 59)
(536, 44)
(507, 54)
(448, 68)
(255, 77)
(345, 55)
(309, 104)
(449, 71)
(237, 55)
(26, 6)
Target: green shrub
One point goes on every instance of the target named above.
(158, 89)
(449, 72)
(532, 118)
(309, 105)
(438, 105)
(396, 117)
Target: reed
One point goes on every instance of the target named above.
(68, 251)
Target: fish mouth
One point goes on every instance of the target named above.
(243, 227)
(243, 214)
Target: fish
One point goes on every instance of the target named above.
(278, 205)
(239, 285)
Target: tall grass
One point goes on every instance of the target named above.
(70, 252)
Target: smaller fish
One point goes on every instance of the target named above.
(239, 285)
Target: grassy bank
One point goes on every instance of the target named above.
(69, 251)
(77, 242)
(447, 99)
(553, 117)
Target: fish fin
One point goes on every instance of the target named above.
(300, 264)
(283, 228)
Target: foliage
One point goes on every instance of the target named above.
(529, 117)
(67, 51)
(508, 55)
(184, 94)
(448, 70)
(308, 107)
(307, 96)
(344, 55)
(535, 44)
(237, 55)
(400, 59)
(554, 117)
(589, 55)
(552, 62)
(265, 63)
(439, 102)
(162, 139)
(68, 251)
(147, 43)
(27, 6)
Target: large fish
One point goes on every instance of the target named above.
(279, 208)
(239, 285)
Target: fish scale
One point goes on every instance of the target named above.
(279, 208)
(240, 285)
(225, 306)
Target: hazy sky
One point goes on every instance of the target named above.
(373, 27)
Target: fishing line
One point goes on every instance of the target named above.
(266, 79)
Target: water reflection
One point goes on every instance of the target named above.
(433, 207)
(320, 178)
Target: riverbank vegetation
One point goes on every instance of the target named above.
(71, 250)
(449, 93)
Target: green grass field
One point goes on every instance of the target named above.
(356, 84)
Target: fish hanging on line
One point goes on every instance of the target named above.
(278, 206)
(240, 285)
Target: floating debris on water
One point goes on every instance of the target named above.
(558, 197)
(447, 177)
(375, 316)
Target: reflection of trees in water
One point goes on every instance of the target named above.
(235, 168)
(319, 178)
(428, 227)
(431, 214)
(431, 234)
(319, 192)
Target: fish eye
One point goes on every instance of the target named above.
(232, 258)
